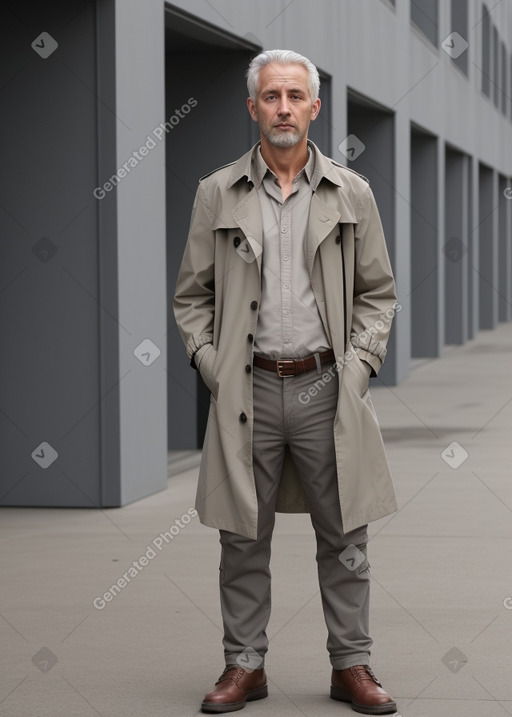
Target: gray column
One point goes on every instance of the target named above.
(141, 328)
(473, 249)
(488, 248)
(455, 247)
(400, 339)
(441, 239)
(504, 250)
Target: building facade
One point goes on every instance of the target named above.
(113, 109)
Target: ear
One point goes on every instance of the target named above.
(252, 109)
(315, 108)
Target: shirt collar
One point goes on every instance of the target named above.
(259, 168)
(323, 168)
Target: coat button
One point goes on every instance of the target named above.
(243, 418)
(254, 305)
(338, 240)
(250, 338)
(236, 241)
(248, 368)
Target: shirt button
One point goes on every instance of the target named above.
(243, 418)
(254, 305)
(285, 257)
(285, 286)
(250, 338)
(248, 368)
(284, 230)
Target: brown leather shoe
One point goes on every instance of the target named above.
(234, 688)
(359, 686)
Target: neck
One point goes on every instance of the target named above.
(285, 162)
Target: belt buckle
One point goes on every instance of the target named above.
(281, 364)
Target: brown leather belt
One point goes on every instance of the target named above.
(292, 367)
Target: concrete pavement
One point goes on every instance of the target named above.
(441, 577)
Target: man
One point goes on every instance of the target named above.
(283, 301)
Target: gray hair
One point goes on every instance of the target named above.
(281, 57)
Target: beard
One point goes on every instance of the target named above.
(283, 138)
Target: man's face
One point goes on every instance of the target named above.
(283, 107)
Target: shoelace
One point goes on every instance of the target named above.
(364, 672)
(231, 677)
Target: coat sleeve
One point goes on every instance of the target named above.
(374, 301)
(194, 299)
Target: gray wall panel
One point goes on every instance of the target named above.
(425, 308)
(83, 278)
(49, 308)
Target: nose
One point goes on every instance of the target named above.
(284, 108)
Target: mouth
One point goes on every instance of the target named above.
(284, 125)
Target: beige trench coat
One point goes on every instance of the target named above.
(217, 301)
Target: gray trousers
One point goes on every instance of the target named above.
(283, 417)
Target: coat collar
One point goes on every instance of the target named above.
(326, 175)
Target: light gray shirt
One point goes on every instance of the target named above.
(289, 324)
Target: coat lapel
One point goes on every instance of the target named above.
(247, 215)
(329, 207)
(322, 220)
